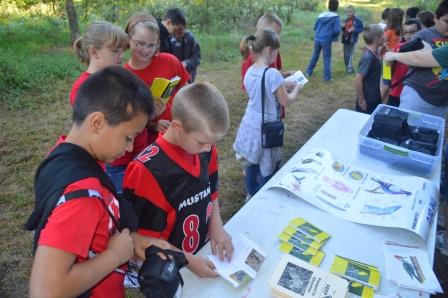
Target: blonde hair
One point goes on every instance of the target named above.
(98, 35)
(264, 38)
(201, 106)
(142, 19)
(267, 20)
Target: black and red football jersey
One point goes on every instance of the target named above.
(172, 195)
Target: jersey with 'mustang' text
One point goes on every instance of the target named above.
(172, 193)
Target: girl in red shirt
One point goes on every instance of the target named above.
(148, 63)
(101, 45)
(393, 30)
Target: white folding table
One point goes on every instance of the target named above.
(269, 211)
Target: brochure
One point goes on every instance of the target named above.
(356, 271)
(298, 77)
(246, 261)
(296, 278)
(313, 259)
(409, 267)
(363, 196)
(162, 88)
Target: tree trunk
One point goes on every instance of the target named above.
(72, 20)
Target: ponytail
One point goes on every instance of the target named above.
(99, 34)
(246, 45)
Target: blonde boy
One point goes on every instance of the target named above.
(173, 183)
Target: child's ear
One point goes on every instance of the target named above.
(176, 125)
(93, 52)
(96, 122)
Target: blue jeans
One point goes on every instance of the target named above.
(325, 46)
(254, 180)
(116, 174)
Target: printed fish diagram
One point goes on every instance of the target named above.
(363, 196)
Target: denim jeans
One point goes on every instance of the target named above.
(116, 174)
(254, 180)
(349, 51)
(325, 46)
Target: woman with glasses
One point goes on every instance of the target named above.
(148, 63)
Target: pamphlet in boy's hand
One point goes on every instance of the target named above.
(246, 261)
(162, 88)
(298, 77)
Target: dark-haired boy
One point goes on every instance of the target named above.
(173, 184)
(79, 249)
(367, 80)
(183, 44)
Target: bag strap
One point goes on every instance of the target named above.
(87, 193)
(262, 95)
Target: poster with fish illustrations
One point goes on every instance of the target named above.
(363, 196)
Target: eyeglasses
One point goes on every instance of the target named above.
(409, 32)
(142, 44)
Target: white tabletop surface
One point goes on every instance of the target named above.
(269, 211)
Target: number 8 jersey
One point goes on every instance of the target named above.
(172, 191)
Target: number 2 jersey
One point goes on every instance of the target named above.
(172, 192)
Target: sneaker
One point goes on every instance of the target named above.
(350, 71)
(441, 243)
(131, 280)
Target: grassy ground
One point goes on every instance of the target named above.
(28, 130)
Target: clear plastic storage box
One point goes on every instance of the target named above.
(402, 158)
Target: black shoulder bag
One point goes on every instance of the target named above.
(272, 132)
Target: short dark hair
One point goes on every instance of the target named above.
(412, 12)
(442, 9)
(426, 18)
(333, 5)
(176, 16)
(385, 13)
(414, 22)
(371, 32)
(116, 92)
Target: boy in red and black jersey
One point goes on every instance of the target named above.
(173, 183)
(77, 217)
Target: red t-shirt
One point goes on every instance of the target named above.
(82, 226)
(246, 63)
(398, 73)
(76, 86)
(392, 38)
(162, 65)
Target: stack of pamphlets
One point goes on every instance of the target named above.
(303, 240)
(364, 278)
(409, 267)
(246, 261)
(296, 278)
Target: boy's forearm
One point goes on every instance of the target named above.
(359, 90)
(51, 278)
(215, 217)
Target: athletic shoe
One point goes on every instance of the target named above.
(130, 280)
(441, 243)
(247, 199)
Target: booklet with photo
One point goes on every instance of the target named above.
(409, 267)
(302, 237)
(298, 77)
(246, 261)
(162, 88)
(356, 271)
(296, 278)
